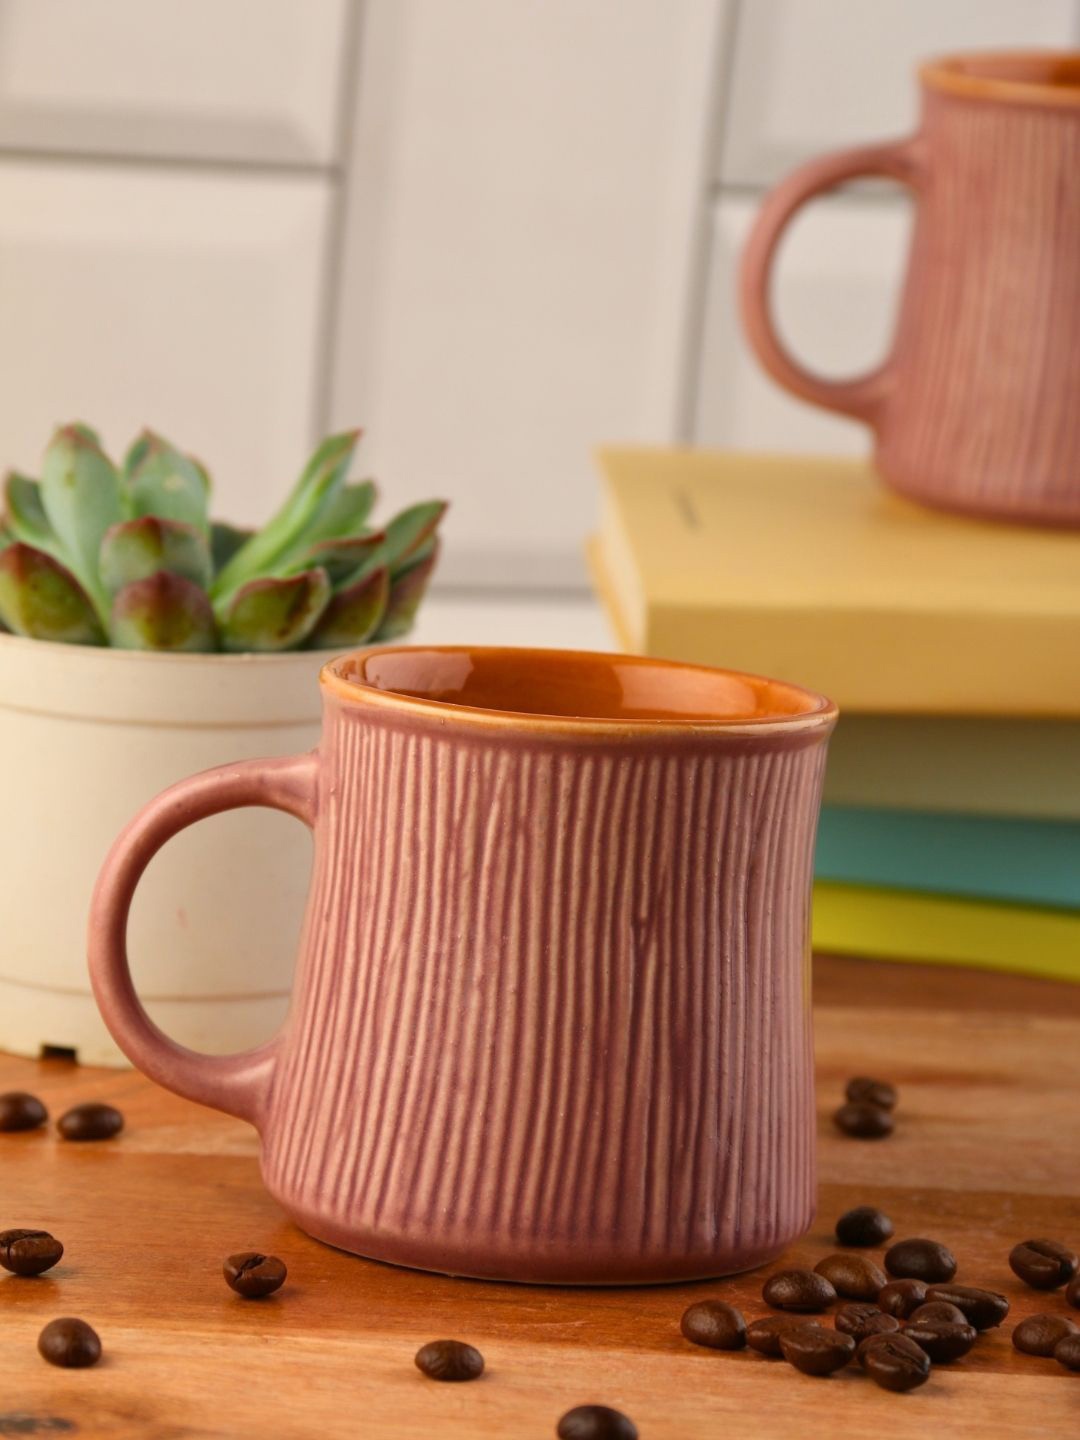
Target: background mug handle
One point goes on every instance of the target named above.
(862, 397)
(238, 1083)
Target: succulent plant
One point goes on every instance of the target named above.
(99, 554)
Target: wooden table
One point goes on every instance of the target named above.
(987, 1152)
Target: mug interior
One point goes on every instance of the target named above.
(1050, 76)
(568, 684)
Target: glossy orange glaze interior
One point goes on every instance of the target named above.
(571, 685)
(1048, 77)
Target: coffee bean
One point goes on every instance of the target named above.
(982, 1308)
(852, 1276)
(449, 1360)
(864, 1226)
(764, 1335)
(1039, 1334)
(1072, 1293)
(1043, 1264)
(935, 1310)
(926, 1260)
(798, 1290)
(715, 1325)
(894, 1362)
(943, 1340)
(596, 1422)
(859, 1321)
(863, 1122)
(253, 1275)
(1067, 1352)
(28, 1252)
(863, 1090)
(70, 1343)
(20, 1111)
(902, 1297)
(92, 1121)
(815, 1350)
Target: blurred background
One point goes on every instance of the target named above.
(493, 232)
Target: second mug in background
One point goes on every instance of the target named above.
(977, 408)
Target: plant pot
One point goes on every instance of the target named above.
(88, 736)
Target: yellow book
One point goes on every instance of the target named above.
(810, 570)
(905, 925)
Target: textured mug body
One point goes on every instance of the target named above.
(976, 409)
(551, 1015)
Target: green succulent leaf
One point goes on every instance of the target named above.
(166, 483)
(81, 494)
(354, 614)
(409, 532)
(225, 541)
(6, 537)
(276, 614)
(406, 591)
(42, 600)
(26, 518)
(163, 612)
(344, 514)
(137, 549)
(320, 482)
(346, 560)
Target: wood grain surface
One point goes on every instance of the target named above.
(986, 1152)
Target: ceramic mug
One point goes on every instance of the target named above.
(976, 409)
(551, 1016)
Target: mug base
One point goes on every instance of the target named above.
(557, 1266)
(1039, 516)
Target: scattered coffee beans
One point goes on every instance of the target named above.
(596, 1422)
(864, 1122)
(1072, 1293)
(859, 1321)
(864, 1226)
(92, 1121)
(852, 1276)
(20, 1111)
(894, 1362)
(1043, 1264)
(902, 1297)
(982, 1308)
(938, 1310)
(798, 1290)
(1040, 1334)
(29, 1252)
(863, 1090)
(764, 1335)
(943, 1340)
(815, 1350)
(715, 1325)
(1067, 1352)
(449, 1360)
(253, 1275)
(926, 1260)
(69, 1343)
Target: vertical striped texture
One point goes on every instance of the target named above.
(986, 411)
(552, 1016)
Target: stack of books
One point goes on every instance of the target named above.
(951, 824)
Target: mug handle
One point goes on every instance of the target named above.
(238, 1083)
(863, 396)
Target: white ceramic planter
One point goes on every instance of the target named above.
(87, 736)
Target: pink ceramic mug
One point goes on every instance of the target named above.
(551, 1016)
(977, 408)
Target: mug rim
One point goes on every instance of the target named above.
(818, 712)
(984, 75)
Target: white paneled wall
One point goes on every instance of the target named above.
(495, 232)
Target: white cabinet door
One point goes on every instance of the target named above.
(838, 282)
(525, 189)
(247, 80)
(815, 75)
(187, 302)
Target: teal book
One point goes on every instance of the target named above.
(1034, 862)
